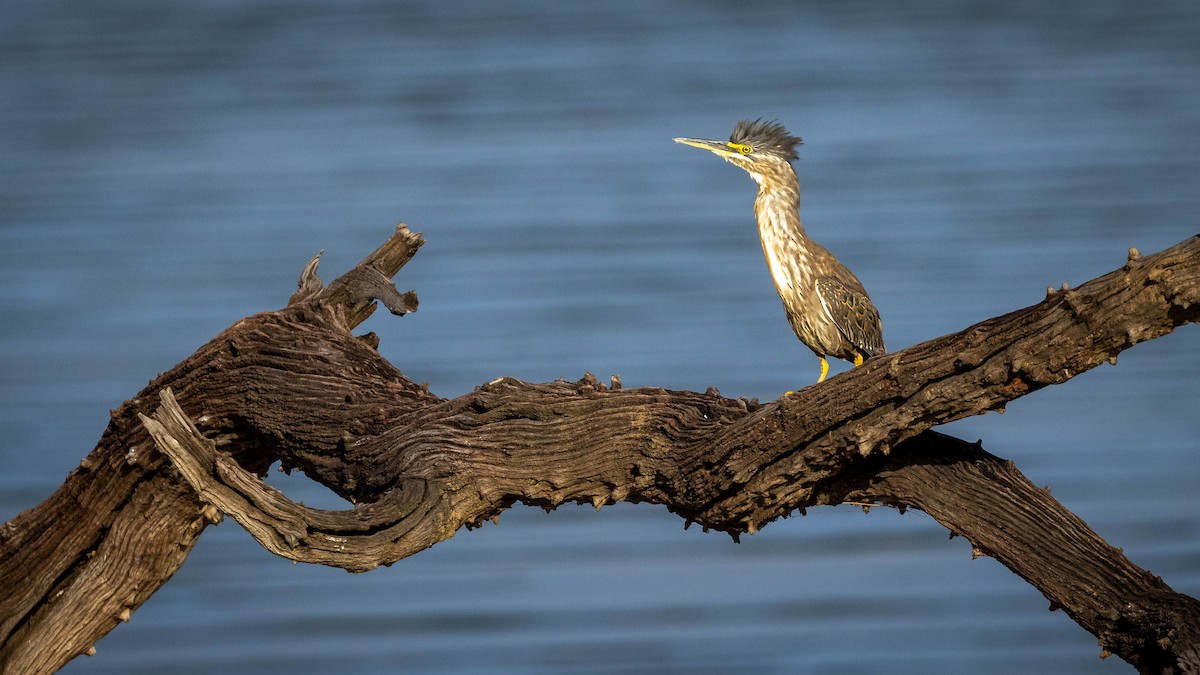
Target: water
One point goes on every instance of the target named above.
(166, 169)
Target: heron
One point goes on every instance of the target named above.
(827, 305)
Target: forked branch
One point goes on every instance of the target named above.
(296, 386)
(734, 465)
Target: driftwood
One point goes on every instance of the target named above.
(295, 385)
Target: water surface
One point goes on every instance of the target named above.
(168, 169)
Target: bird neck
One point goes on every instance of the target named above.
(777, 207)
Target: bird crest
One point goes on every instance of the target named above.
(764, 136)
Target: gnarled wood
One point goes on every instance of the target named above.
(987, 500)
(296, 385)
(74, 566)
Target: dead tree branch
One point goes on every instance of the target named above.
(297, 386)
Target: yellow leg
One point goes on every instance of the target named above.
(824, 372)
(858, 359)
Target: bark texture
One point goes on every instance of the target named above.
(296, 385)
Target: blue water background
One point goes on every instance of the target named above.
(167, 168)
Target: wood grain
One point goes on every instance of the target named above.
(296, 385)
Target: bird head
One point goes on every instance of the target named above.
(757, 146)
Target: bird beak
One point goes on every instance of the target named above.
(717, 147)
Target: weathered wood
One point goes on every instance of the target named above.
(295, 385)
(77, 564)
(986, 499)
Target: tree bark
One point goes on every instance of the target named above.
(297, 386)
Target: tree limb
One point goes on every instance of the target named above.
(295, 385)
(76, 565)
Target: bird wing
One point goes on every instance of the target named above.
(853, 314)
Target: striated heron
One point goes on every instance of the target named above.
(826, 304)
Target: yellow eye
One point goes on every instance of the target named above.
(743, 149)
